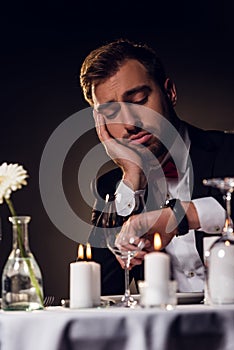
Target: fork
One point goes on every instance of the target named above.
(48, 300)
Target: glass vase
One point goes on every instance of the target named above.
(22, 286)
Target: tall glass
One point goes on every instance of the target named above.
(126, 250)
(220, 259)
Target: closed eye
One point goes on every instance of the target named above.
(141, 102)
(111, 115)
(110, 110)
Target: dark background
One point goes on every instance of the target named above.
(43, 44)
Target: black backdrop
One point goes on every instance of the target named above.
(42, 47)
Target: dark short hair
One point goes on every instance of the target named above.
(105, 61)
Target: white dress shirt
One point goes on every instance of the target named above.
(187, 267)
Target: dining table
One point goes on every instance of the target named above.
(182, 327)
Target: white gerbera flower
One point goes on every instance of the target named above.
(12, 177)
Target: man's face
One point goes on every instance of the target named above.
(119, 99)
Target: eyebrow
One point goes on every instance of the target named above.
(135, 90)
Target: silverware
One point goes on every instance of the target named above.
(48, 301)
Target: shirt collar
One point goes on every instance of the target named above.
(180, 149)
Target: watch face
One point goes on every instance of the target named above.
(171, 202)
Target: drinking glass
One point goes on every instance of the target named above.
(126, 249)
(220, 259)
(226, 186)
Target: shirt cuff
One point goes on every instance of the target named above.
(211, 214)
(125, 199)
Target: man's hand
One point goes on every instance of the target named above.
(142, 227)
(126, 157)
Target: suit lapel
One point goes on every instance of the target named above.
(203, 153)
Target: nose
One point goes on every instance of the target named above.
(130, 118)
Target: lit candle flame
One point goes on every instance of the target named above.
(88, 251)
(80, 255)
(157, 241)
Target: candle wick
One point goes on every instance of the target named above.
(79, 259)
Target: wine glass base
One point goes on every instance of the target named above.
(129, 302)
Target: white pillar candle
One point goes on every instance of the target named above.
(81, 285)
(157, 274)
(157, 268)
(96, 277)
(96, 282)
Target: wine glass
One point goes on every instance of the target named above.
(226, 186)
(219, 260)
(125, 249)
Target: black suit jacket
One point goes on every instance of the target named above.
(212, 155)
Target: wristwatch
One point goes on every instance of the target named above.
(180, 215)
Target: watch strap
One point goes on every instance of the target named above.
(180, 215)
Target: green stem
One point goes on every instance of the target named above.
(19, 235)
(23, 252)
(10, 206)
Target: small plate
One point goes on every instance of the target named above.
(183, 298)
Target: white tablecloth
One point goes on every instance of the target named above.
(187, 327)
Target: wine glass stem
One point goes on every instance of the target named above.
(228, 206)
(127, 289)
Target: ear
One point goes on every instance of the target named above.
(170, 89)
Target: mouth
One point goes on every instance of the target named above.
(140, 138)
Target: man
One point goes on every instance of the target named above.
(158, 154)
